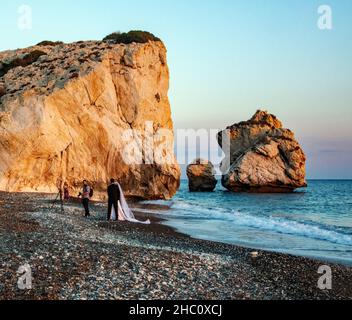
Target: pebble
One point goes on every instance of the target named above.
(95, 260)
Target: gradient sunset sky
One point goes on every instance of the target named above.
(229, 58)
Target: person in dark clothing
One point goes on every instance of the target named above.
(114, 198)
(85, 194)
(66, 192)
(85, 203)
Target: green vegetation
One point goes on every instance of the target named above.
(47, 43)
(22, 61)
(132, 36)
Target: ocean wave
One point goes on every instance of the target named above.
(187, 211)
(285, 226)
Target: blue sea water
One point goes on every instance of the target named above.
(314, 222)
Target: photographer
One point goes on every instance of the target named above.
(86, 194)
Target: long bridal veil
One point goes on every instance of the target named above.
(125, 213)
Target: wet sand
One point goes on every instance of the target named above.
(76, 258)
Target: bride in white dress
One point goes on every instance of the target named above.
(125, 213)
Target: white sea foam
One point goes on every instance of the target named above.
(187, 211)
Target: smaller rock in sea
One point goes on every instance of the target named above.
(201, 175)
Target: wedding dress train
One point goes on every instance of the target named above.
(124, 211)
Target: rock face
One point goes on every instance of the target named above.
(261, 156)
(77, 111)
(201, 175)
(2, 89)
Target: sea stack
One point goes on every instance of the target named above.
(67, 110)
(201, 176)
(262, 156)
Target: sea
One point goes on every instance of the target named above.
(314, 222)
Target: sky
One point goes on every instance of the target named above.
(227, 59)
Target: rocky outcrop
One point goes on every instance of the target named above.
(261, 156)
(2, 89)
(201, 175)
(87, 110)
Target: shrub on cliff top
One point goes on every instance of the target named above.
(132, 36)
(47, 43)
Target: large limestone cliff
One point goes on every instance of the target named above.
(262, 156)
(70, 111)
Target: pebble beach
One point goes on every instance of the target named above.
(73, 258)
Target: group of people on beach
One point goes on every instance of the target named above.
(118, 209)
